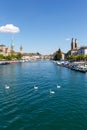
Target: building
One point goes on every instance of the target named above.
(63, 56)
(3, 50)
(76, 50)
(31, 56)
(12, 49)
(21, 49)
(82, 50)
(74, 47)
(74, 44)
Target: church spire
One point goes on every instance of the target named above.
(21, 49)
(76, 44)
(12, 47)
(72, 44)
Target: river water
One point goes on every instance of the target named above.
(24, 108)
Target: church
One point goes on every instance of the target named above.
(5, 51)
(76, 50)
(74, 47)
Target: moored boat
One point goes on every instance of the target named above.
(4, 63)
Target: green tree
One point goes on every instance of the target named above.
(8, 57)
(19, 56)
(76, 57)
(38, 53)
(1, 56)
(58, 55)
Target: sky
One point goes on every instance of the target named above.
(43, 26)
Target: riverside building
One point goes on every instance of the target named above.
(76, 50)
(6, 51)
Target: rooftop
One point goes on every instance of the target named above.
(2, 45)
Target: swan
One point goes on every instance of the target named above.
(35, 87)
(58, 86)
(52, 92)
(6, 86)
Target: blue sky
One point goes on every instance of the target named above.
(45, 25)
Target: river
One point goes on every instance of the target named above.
(24, 108)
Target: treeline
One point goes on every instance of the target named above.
(76, 57)
(11, 57)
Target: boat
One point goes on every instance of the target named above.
(4, 63)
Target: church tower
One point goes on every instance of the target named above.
(76, 44)
(12, 48)
(72, 44)
(21, 49)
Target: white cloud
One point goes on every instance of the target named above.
(9, 28)
(67, 39)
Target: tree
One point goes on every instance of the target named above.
(19, 56)
(38, 53)
(58, 55)
(8, 57)
(77, 57)
(1, 56)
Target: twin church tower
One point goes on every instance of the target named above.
(74, 44)
(12, 49)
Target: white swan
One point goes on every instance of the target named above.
(6, 86)
(52, 92)
(58, 86)
(35, 87)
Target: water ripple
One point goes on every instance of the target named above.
(24, 108)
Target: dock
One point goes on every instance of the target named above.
(76, 66)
